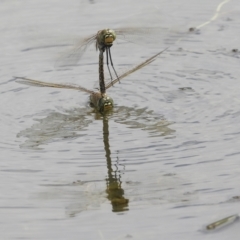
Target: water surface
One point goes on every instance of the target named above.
(163, 164)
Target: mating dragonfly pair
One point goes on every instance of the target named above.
(103, 40)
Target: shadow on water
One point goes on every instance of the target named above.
(71, 124)
(56, 126)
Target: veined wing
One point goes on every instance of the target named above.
(37, 83)
(72, 56)
(141, 65)
(144, 35)
(137, 35)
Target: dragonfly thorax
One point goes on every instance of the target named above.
(105, 38)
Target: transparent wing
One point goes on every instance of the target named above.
(72, 56)
(138, 35)
(141, 65)
(156, 35)
(37, 83)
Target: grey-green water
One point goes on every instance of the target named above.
(170, 147)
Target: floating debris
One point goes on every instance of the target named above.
(222, 223)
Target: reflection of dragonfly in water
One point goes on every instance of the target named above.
(98, 100)
(115, 192)
(114, 189)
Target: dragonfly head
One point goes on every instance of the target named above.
(106, 37)
(105, 103)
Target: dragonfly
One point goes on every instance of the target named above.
(98, 99)
(104, 40)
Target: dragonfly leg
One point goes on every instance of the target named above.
(112, 64)
(108, 54)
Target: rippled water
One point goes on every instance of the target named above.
(163, 164)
